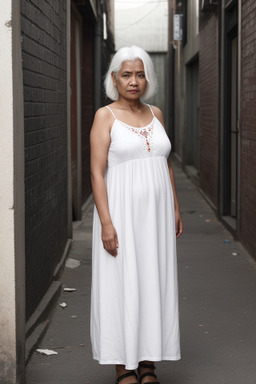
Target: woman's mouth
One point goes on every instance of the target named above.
(133, 91)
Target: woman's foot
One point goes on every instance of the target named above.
(124, 376)
(146, 372)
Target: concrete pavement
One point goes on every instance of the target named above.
(217, 283)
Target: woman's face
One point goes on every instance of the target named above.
(131, 82)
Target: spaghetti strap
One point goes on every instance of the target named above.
(111, 111)
(151, 110)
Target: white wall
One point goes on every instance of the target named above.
(12, 273)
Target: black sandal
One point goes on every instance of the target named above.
(150, 366)
(132, 373)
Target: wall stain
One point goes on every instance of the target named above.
(8, 23)
(7, 368)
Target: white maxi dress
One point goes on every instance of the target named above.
(134, 296)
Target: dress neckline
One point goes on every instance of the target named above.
(131, 126)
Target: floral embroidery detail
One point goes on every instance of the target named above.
(144, 133)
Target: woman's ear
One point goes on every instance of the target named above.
(114, 78)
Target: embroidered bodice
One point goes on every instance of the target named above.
(129, 142)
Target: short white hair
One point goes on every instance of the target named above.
(131, 54)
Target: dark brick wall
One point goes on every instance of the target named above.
(87, 100)
(44, 70)
(206, 14)
(208, 77)
(248, 126)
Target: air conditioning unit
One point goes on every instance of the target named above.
(208, 5)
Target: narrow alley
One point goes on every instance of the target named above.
(55, 55)
(217, 307)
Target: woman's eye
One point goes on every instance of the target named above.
(141, 76)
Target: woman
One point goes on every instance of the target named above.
(134, 307)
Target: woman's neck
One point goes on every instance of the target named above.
(131, 105)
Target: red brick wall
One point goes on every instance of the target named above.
(248, 126)
(208, 78)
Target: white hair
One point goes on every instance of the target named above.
(131, 54)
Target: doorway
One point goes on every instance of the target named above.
(233, 130)
(192, 119)
(75, 115)
(230, 155)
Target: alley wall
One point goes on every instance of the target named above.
(225, 129)
(248, 124)
(43, 26)
(55, 54)
(209, 132)
(12, 255)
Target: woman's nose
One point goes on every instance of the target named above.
(134, 81)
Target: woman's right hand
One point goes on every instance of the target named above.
(110, 239)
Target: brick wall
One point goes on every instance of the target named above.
(44, 72)
(248, 126)
(208, 77)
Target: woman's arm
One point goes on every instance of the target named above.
(100, 141)
(178, 219)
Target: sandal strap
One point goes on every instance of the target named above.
(144, 365)
(132, 373)
(147, 374)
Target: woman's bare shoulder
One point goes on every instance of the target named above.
(103, 119)
(103, 113)
(158, 113)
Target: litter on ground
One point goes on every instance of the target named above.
(72, 263)
(69, 289)
(46, 352)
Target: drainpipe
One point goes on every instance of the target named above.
(171, 69)
(69, 200)
(98, 59)
(221, 110)
(239, 115)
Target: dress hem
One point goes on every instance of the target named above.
(134, 366)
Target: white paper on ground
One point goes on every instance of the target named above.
(63, 305)
(47, 352)
(69, 289)
(72, 263)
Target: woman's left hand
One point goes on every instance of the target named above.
(178, 224)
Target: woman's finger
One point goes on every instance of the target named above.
(179, 229)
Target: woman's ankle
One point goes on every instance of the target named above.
(147, 362)
(120, 370)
